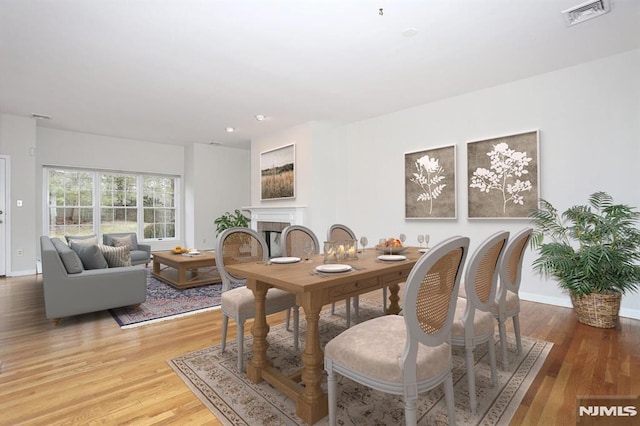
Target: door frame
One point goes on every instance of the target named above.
(5, 234)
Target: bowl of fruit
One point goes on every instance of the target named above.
(179, 250)
(391, 246)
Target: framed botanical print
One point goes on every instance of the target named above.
(278, 173)
(430, 183)
(503, 176)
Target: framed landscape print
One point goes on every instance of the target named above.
(430, 183)
(277, 173)
(503, 176)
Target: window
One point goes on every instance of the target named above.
(159, 207)
(84, 202)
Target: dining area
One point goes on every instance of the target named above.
(405, 350)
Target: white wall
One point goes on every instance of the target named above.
(589, 122)
(17, 139)
(221, 183)
(317, 172)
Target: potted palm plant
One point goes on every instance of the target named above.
(592, 251)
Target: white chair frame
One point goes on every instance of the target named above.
(510, 277)
(470, 339)
(409, 386)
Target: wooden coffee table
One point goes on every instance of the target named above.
(184, 271)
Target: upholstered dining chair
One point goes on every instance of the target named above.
(408, 354)
(241, 245)
(507, 302)
(473, 321)
(294, 238)
(339, 232)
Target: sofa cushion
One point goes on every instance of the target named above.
(90, 255)
(116, 256)
(70, 259)
(82, 239)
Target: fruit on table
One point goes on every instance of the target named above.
(391, 242)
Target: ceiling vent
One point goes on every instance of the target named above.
(585, 11)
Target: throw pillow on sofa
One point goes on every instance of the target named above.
(69, 258)
(90, 255)
(123, 241)
(116, 256)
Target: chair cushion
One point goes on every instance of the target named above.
(69, 258)
(374, 348)
(90, 255)
(483, 322)
(116, 256)
(240, 301)
(512, 304)
(82, 239)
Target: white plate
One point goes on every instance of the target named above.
(423, 250)
(285, 260)
(392, 257)
(194, 252)
(333, 267)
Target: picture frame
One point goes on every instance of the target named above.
(503, 176)
(430, 183)
(278, 173)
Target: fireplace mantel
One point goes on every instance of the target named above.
(294, 215)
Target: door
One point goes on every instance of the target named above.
(3, 204)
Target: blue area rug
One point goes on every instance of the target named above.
(165, 302)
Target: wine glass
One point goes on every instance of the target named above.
(421, 239)
(426, 239)
(363, 242)
(402, 238)
(308, 249)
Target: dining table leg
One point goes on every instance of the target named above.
(312, 403)
(394, 297)
(259, 331)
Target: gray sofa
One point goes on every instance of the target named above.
(82, 291)
(140, 253)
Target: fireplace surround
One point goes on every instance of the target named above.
(271, 221)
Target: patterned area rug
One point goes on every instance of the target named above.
(165, 302)
(212, 376)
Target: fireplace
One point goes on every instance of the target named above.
(271, 221)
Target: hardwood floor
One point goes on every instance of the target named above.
(87, 370)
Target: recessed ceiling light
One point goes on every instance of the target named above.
(41, 116)
(230, 129)
(409, 32)
(260, 117)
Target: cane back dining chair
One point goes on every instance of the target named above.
(507, 302)
(339, 232)
(473, 322)
(294, 238)
(242, 245)
(408, 354)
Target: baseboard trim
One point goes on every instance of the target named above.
(566, 303)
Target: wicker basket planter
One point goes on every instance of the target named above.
(597, 309)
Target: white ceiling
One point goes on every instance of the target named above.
(180, 71)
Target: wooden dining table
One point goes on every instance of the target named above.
(313, 291)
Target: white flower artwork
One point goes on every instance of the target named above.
(430, 183)
(503, 176)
